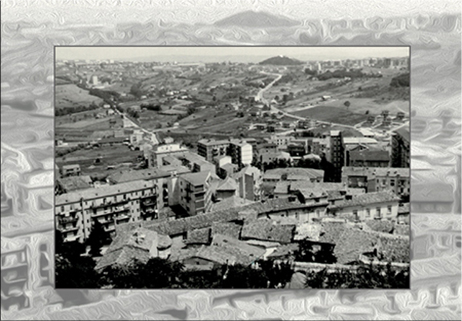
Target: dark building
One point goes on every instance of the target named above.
(368, 158)
(337, 154)
(400, 146)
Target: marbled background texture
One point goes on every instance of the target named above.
(31, 29)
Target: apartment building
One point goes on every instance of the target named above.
(77, 212)
(195, 192)
(239, 150)
(369, 206)
(337, 154)
(376, 179)
(209, 148)
(161, 151)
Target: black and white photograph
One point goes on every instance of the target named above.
(232, 167)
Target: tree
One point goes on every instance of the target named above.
(97, 238)
(347, 104)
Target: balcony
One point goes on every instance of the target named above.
(110, 203)
(68, 229)
(69, 219)
(122, 217)
(110, 228)
(149, 202)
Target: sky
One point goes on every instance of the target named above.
(219, 54)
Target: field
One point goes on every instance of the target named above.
(72, 96)
(333, 114)
(110, 155)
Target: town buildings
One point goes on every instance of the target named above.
(376, 179)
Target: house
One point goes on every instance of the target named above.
(270, 156)
(403, 214)
(376, 205)
(226, 189)
(139, 244)
(70, 170)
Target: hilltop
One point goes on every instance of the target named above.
(281, 61)
(254, 19)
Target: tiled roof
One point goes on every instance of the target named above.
(244, 252)
(134, 244)
(226, 228)
(295, 172)
(230, 202)
(228, 184)
(99, 192)
(350, 242)
(198, 236)
(267, 230)
(368, 198)
(284, 251)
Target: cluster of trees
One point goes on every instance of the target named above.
(72, 110)
(151, 106)
(366, 277)
(401, 80)
(136, 90)
(342, 73)
(306, 252)
(106, 95)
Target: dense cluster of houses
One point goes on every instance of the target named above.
(213, 207)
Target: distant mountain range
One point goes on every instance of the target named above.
(281, 61)
(252, 19)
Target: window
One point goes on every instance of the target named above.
(392, 182)
(62, 208)
(389, 209)
(368, 212)
(355, 212)
(378, 211)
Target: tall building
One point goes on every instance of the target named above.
(77, 212)
(196, 189)
(209, 148)
(239, 150)
(337, 154)
(400, 146)
(161, 151)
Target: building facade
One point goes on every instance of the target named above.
(77, 212)
(400, 147)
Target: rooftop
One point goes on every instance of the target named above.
(404, 133)
(267, 230)
(375, 171)
(71, 166)
(124, 176)
(73, 183)
(368, 198)
(359, 140)
(195, 179)
(212, 142)
(295, 173)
